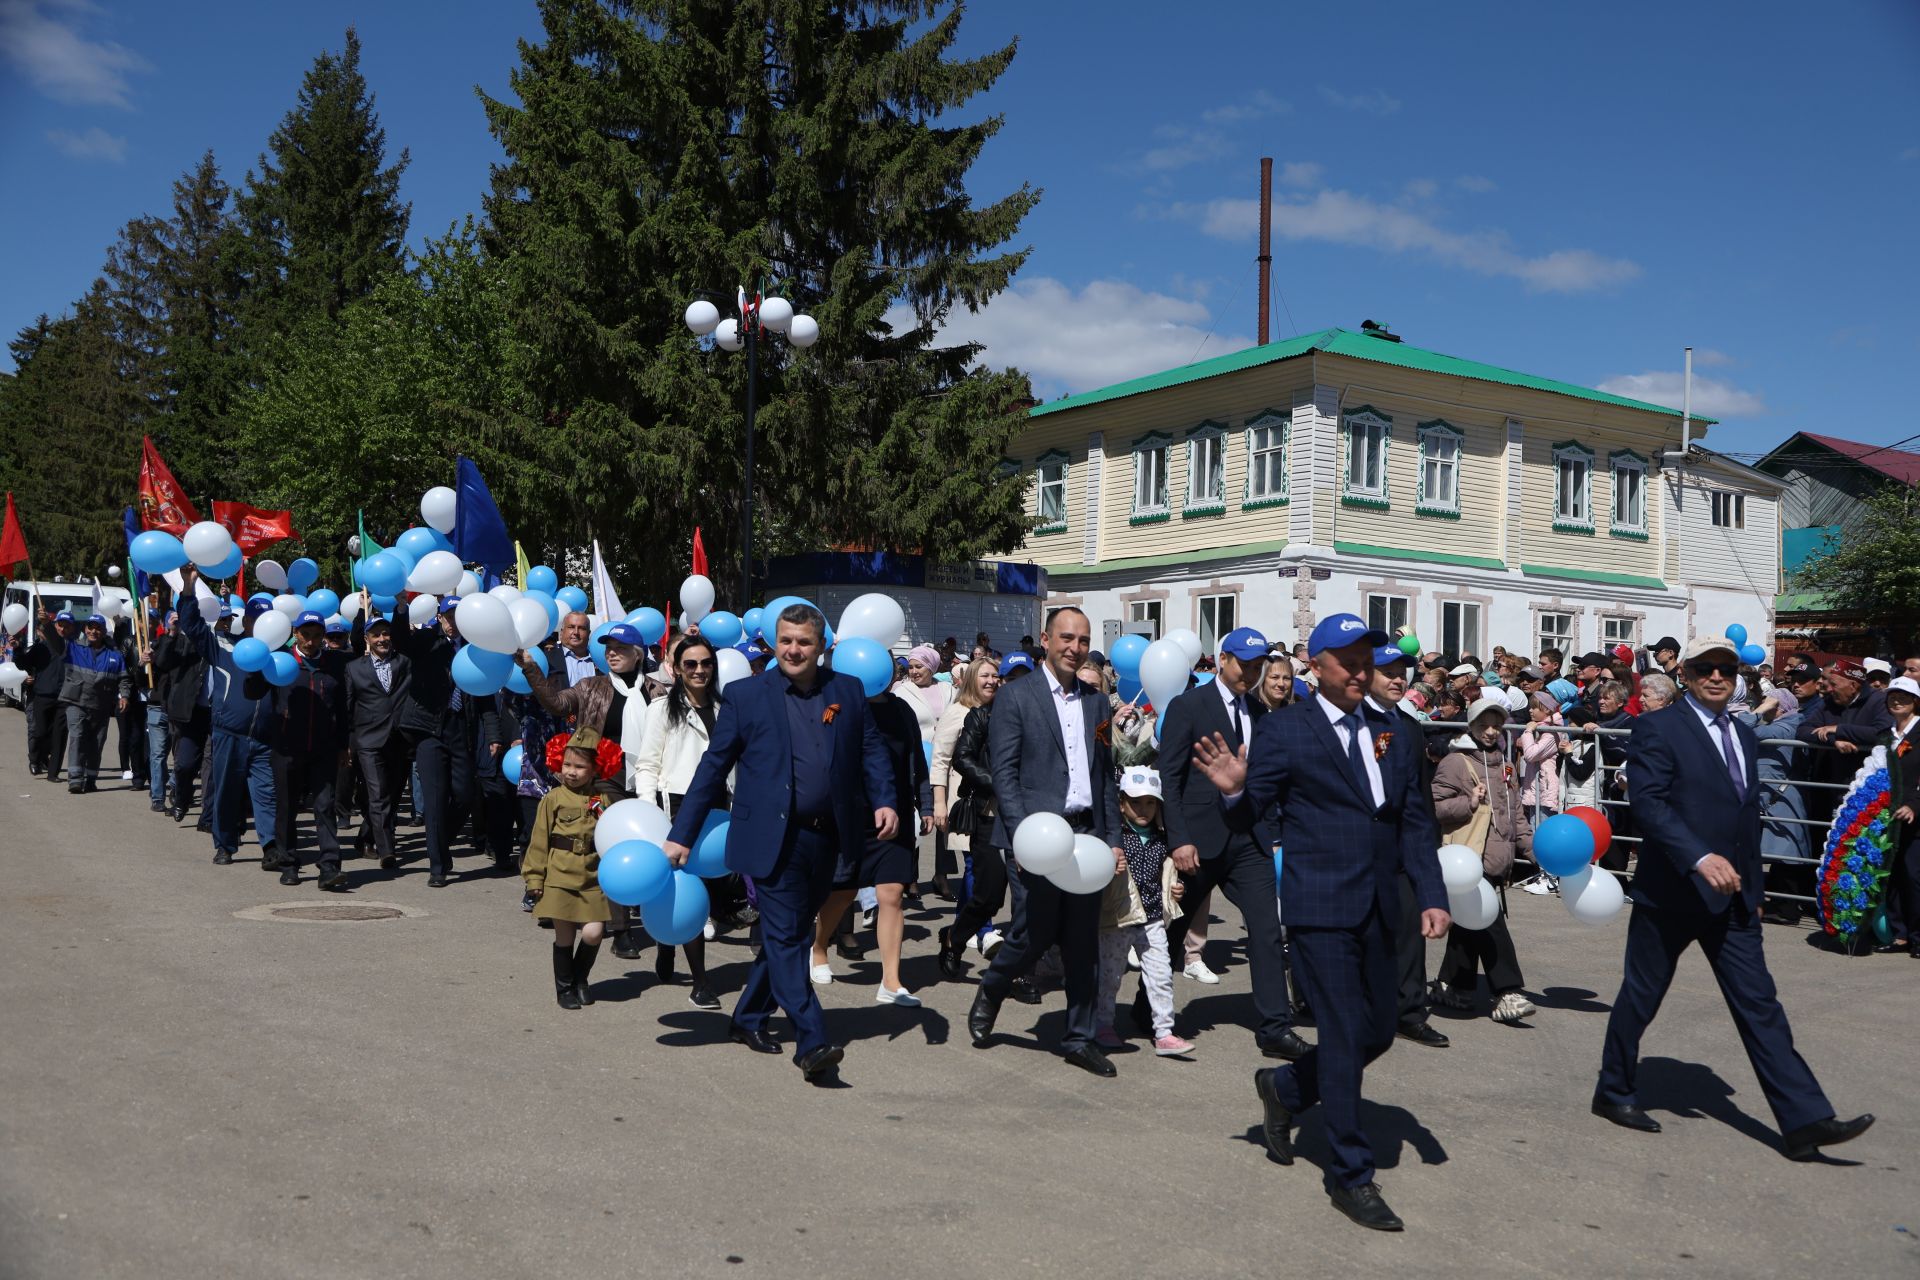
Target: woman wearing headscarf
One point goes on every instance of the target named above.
(928, 699)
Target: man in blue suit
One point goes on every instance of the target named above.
(1694, 785)
(1354, 814)
(814, 783)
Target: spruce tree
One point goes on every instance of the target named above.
(660, 149)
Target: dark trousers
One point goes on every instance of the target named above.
(239, 770)
(1731, 941)
(529, 809)
(499, 815)
(1903, 887)
(86, 739)
(1245, 871)
(1412, 955)
(432, 774)
(463, 789)
(1047, 915)
(296, 777)
(189, 752)
(383, 770)
(1489, 950)
(1349, 978)
(132, 724)
(789, 898)
(46, 735)
(987, 890)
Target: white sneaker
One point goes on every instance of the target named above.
(903, 997)
(1512, 1007)
(1199, 972)
(706, 930)
(1539, 885)
(126, 775)
(821, 974)
(990, 942)
(1133, 958)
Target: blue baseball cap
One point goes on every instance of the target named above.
(1245, 644)
(1388, 654)
(337, 627)
(752, 650)
(449, 604)
(259, 605)
(308, 618)
(1015, 662)
(622, 633)
(63, 616)
(1342, 629)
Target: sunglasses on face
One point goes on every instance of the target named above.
(1703, 669)
(696, 664)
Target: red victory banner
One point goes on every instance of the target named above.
(163, 503)
(13, 543)
(251, 527)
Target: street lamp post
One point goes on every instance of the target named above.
(730, 334)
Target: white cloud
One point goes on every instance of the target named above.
(1421, 189)
(1301, 173)
(1258, 106)
(95, 144)
(1708, 358)
(1070, 340)
(1180, 147)
(1375, 102)
(1475, 183)
(1712, 398)
(1340, 217)
(62, 63)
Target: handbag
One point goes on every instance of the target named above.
(1474, 831)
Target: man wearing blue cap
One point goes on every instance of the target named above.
(1390, 667)
(1354, 813)
(1206, 851)
(309, 744)
(239, 762)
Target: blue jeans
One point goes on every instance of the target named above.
(159, 738)
(239, 762)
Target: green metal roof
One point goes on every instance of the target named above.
(1359, 346)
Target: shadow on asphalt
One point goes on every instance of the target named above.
(1390, 1131)
(1571, 999)
(1696, 1091)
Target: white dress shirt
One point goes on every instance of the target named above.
(1343, 730)
(1739, 761)
(1073, 734)
(1236, 709)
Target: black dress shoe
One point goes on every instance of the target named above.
(157, 807)
(981, 1017)
(1626, 1115)
(1287, 1044)
(820, 1061)
(389, 863)
(625, 945)
(1277, 1123)
(270, 859)
(1090, 1058)
(702, 997)
(204, 824)
(952, 966)
(758, 1041)
(436, 881)
(222, 857)
(1364, 1205)
(179, 811)
(1025, 991)
(290, 875)
(1424, 1033)
(334, 881)
(1805, 1142)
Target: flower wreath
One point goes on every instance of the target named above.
(607, 757)
(1856, 858)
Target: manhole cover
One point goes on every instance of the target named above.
(328, 912)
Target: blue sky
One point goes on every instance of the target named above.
(1573, 191)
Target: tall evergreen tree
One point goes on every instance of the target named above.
(664, 148)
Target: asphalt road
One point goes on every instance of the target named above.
(184, 1092)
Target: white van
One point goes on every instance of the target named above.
(75, 597)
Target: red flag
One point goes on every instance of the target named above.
(666, 637)
(699, 555)
(163, 503)
(13, 543)
(251, 527)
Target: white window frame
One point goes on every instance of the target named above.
(1150, 456)
(1396, 611)
(1150, 614)
(1356, 429)
(1544, 639)
(1054, 461)
(1731, 503)
(1626, 628)
(1230, 600)
(1261, 489)
(1433, 437)
(1623, 463)
(1453, 640)
(1579, 520)
(1206, 444)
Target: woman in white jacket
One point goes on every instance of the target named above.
(673, 737)
(928, 698)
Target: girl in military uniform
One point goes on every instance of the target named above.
(562, 867)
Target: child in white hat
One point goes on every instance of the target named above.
(1134, 915)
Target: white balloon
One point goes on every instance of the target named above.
(273, 629)
(1164, 671)
(113, 571)
(438, 507)
(631, 820)
(237, 626)
(207, 544)
(696, 598)
(270, 574)
(485, 622)
(469, 584)
(529, 621)
(437, 573)
(1089, 870)
(505, 593)
(804, 331)
(1593, 896)
(1043, 843)
(726, 335)
(702, 316)
(1459, 867)
(873, 617)
(350, 606)
(732, 665)
(14, 618)
(776, 314)
(12, 678)
(1189, 644)
(289, 604)
(422, 609)
(108, 608)
(1474, 908)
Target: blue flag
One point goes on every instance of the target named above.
(479, 534)
(131, 523)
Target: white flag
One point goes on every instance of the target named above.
(606, 602)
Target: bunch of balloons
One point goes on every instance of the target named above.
(1046, 845)
(634, 870)
(1568, 845)
(1751, 654)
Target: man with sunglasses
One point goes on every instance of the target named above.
(1695, 791)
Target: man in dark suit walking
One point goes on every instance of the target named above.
(1695, 789)
(813, 785)
(1048, 744)
(1390, 667)
(377, 684)
(1206, 851)
(1354, 814)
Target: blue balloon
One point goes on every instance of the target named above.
(261, 595)
(547, 602)
(866, 661)
(541, 579)
(573, 597)
(157, 551)
(416, 542)
(236, 603)
(1752, 654)
(226, 568)
(1129, 688)
(1204, 677)
(597, 644)
(652, 624)
(471, 677)
(324, 602)
(926, 749)
(251, 655)
(677, 916)
(1278, 862)
(383, 573)
(709, 857)
(635, 873)
(770, 617)
(406, 558)
(750, 623)
(280, 669)
(1125, 655)
(1737, 634)
(1562, 845)
(494, 664)
(517, 679)
(301, 574)
(721, 628)
(510, 762)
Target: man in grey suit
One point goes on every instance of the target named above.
(1048, 746)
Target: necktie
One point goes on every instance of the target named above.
(1725, 725)
(1239, 729)
(385, 672)
(454, 703)
(1355, 723)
